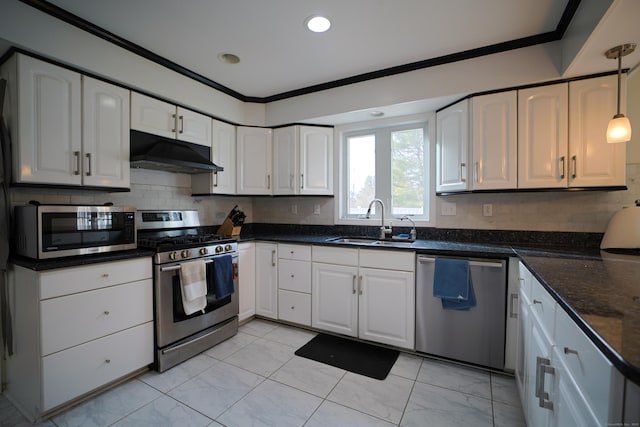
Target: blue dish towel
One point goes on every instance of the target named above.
(452, 284)
(220, 276)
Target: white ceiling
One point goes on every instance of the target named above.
(279, 55)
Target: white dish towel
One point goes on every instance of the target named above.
(193, 284)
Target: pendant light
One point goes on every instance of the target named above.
(619, 129)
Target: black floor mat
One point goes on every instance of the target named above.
(353, 356)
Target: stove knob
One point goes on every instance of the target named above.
(228, 248)
(219, 249)
(186, 253)
(172, 256)
(204, 251)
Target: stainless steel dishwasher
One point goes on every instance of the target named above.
(475, 336)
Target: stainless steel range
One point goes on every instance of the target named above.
(178, 238)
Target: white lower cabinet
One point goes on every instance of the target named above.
(562, 377)
(77, 329)
(363, 293)
(267, 280)
(246, 280)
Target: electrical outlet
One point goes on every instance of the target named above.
(448, 209)
(487, 209)
(294, 209)
(316, 209)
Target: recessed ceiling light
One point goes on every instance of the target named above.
(317, 24)
(377, 113)
(228, 58)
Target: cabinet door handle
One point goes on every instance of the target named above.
(175, 123)
(568, 350)
(543, 367)
(273, 258)
(563, 167)
(268, 182)
(535, 301)
(88, 155)
(512, 314)
(181, 124)
(354, 284)
(574, 163)
(215, 179)
(462, 178)
(476, 171)
(76, 154)
(301, 180)
(360, 286)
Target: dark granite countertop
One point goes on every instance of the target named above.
(75, 261)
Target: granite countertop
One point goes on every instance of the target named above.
(75, 261)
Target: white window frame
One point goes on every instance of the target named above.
(340, 161)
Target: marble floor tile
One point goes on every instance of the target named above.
(290, 336)
(11, 417)
(504, 389)
(332, 414)
(109, 407)
(177, 375)
(216, 389)
(455, 377)
(308, 375)
(383, 399)
(258, 327)
(164, 411)
(407, 366)
(230, 346)
(262, 357)
(441, 407)
(507, 415)
(271, 404)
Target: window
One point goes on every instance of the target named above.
(390, 163)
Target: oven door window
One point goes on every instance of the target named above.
(73, 230)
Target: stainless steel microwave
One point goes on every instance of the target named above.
(52, 231)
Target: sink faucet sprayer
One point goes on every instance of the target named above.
(383, 230)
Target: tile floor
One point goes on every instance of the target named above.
(254, 379)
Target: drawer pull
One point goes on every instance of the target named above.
(293, 307)
(535, 301)
(543, 367)
(512, 313)
(105, 275)
(568, 350)
(106, 313)
(292, 276)
(107, 361)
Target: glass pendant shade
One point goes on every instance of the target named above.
(619, 129)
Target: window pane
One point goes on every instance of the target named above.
(407, 163)
(362, 173)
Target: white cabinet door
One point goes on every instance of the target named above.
(247, 280)
(452, 148)
(539, 381)
(267, 280)
(223, 153)
(543, 136)
(316, 160)
(494, 141)
(253, 160)
(594, 162)
(105, 134)
(48, 138)
(334, 302)
(386, 307)
(285, 160)
(193, 127)
(152, 115)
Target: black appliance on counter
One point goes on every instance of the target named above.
(177, 237)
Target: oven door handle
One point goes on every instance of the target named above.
(177, 267)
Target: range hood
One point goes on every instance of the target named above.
(156, 152)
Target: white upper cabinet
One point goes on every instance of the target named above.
(494, 141)
(253, 160)
(452, 148)
(543, 136)
(303, 160)
(161, 118)
(105, 134)
(223, 153)
(47, 126)
(594, 162)
(68, 129)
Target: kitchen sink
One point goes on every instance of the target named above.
(370, 241)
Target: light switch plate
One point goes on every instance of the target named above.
(448, 209)
(487, 209)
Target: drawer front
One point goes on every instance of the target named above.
(74, 319)
(294, 275)
(294, 307)
(592, 372)
(299, 252)
(333, 255)
(388, 260)
(65, 281)
(543, 307)
(74, 372)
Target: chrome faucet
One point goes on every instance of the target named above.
(383, 229)
(413, 228)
